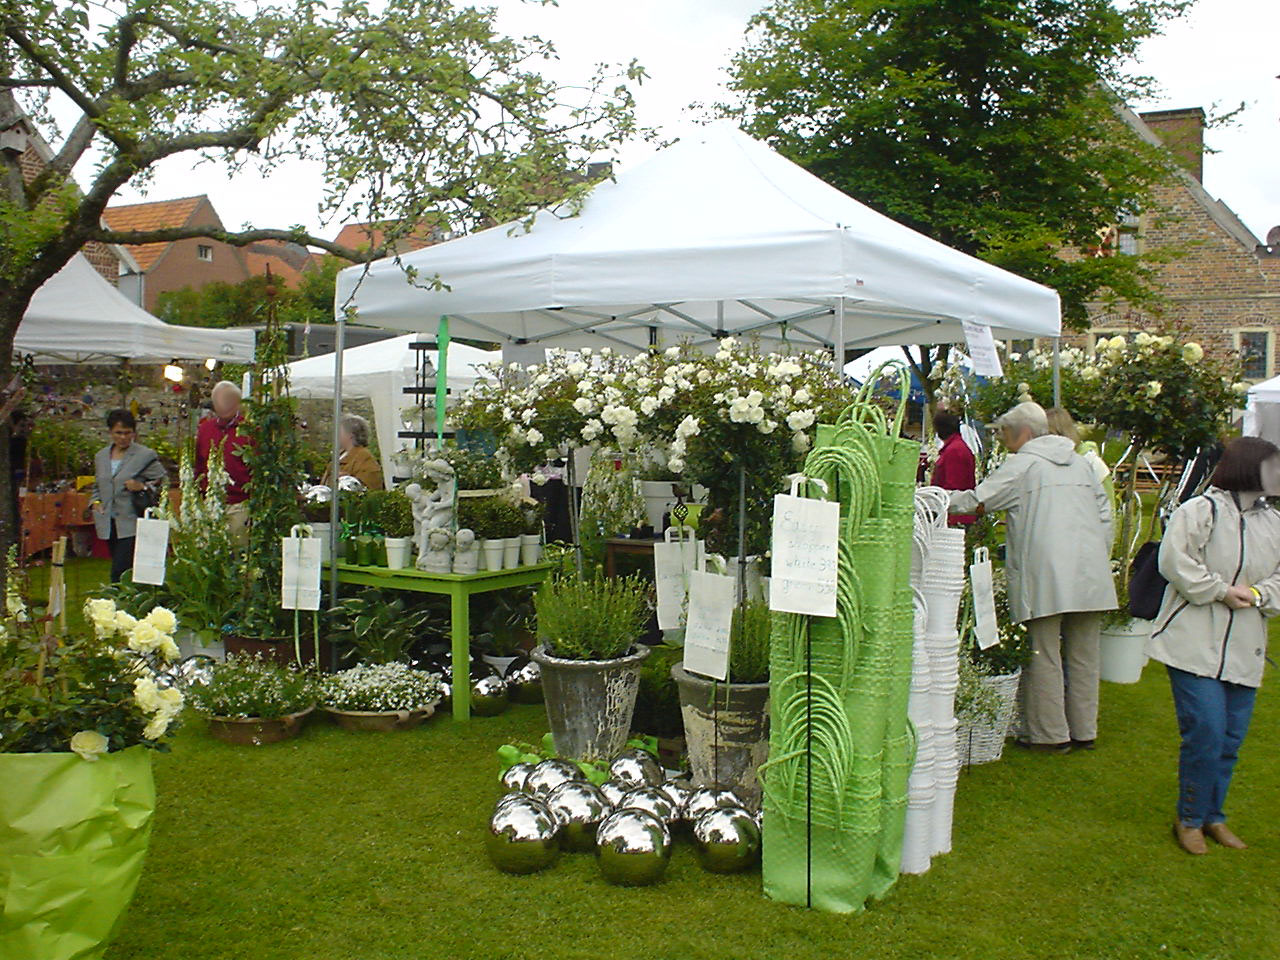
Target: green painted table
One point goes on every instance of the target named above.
(459, 588)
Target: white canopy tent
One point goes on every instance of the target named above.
(77, 316)
(380, 371)
(1262, 411)
(714, 236)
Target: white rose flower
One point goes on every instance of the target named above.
(648, 405)
(576, 369)
(583, 405)
(1153, 388)
(672, 351)
(592, 430)
(800, 442)
(538, 478)
(688, 427)
(801, 420)
(704, 376)
(89, 744)
(168, 649)
(1193, 353)
(1240, 388)
(125, 622)
(767, 426)
(534, 436)
(678, 447)
(675, 465)
(157, 726)
(163, 619)
(527, 415)
(666, 394)
(147, 695)
(802, 395)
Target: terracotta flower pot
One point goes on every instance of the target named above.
(256, 731)
(366, 720)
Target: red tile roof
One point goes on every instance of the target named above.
(151, 216)
(365, 236)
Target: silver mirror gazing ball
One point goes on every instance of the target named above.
(578, 807)
(514, 777)
(679, 792)
(523, 835)
(488, 697)
(653, 801)
(525, 684)
(548, 775)
(705, 799)
(633, 848)
(613, 792)
(726, 840)
(635, 768)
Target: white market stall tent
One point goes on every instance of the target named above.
(714, 236)
(77, 316)
(1262, 411)
(380, 371)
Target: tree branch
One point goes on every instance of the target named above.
(16, 83)
(234, 238)
(59, 79)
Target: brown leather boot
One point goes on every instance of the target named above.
(1190, 839)
(1220, 833)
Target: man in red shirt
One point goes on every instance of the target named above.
(955, 469)
(223, 428)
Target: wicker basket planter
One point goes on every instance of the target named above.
(984, 742)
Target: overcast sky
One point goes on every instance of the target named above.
(1223, 53)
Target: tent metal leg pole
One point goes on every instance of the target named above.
(571, 488)
(339, 345)
(1057, 371)
(442, 378)
(837, 352)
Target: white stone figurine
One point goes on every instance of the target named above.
(420, 501)
(466, 555)
(439, 555)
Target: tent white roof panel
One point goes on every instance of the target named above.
(78, 316)
(715, 235)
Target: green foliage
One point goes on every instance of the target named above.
(596, 771)
(658, 697)
(241, 687)
(507, 620)
(595, 618)
(1012, 651)
(379, 626)
(274, 458)
(749, 643)
(473, 469)
(490, 518)
(66, 448)
(976, 702)
(611, 504)
(988, 125)
(222, 304)
(386, 512)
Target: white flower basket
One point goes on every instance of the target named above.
(984, 743)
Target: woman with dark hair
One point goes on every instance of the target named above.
(121, 469)
(1221, 556)
(955, 469)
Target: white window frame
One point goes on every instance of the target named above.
(1237, 337)
(202, 249)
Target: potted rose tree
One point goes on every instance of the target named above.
(80, 717)
(590, 659)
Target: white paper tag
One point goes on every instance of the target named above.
(805, 556)
(985, 628)
(706, 637)
(300, 573)
(981, 347)
(149, 550)
(673, 561)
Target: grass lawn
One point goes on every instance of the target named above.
(343, 846)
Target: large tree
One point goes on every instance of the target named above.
(990, 125)
(416, 110)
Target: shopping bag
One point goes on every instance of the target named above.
(985, 628)
(300, 572)
(150, 548)
(674, 558)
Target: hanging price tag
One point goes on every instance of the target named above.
(150, 548)
(805, 555)
(985, 628)
(300, 572)
(673, 561)
(706, 637)
(981, 346)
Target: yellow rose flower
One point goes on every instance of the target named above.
(147, 695)
(157, 727)
(162, 619)
(1193, 353)
(125, 622)
(144, 637)
(89, 744)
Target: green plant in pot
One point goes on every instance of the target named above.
(378, 627)
(497, 523)
(505, 625)
(390, 513)
(740, 707)
(252, 700)
(590, 659)
(381, 697)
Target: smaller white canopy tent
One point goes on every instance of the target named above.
(77, 316)
(1262, 411)
(380, 371)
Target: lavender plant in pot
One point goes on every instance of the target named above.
(590, 659)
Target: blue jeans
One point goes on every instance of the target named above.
(1213, 717)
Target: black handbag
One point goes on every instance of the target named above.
(146, 498)
(1146, 583)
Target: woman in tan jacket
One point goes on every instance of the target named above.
(355, 459)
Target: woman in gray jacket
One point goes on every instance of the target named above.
(123, 468)
(1221, 556)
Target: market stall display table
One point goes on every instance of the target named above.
(459, 588)
(47, 516)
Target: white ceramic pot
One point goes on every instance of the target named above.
(321, 531)
(510, 553)
(1124, 651)
(531, 549)
(399, 550)
(658, 498)
(493, 550)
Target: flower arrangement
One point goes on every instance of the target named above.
(244, 687)
(380, 688)
(92, 694)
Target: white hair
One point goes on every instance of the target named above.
(222, 385)
(1030, 415)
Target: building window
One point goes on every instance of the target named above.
(1257, 353)
(1127, 235)
(204, 252)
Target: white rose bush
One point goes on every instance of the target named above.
(702, 414)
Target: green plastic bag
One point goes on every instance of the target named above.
(73, 836)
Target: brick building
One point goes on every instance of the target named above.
(1221, 287)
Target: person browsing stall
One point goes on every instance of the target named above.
(121, 469)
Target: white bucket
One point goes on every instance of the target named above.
(510, 553)
(1124, 651)
(492, 553)
(530, 549)
(399, 550)
(943, 814)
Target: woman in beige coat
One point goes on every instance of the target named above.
(1221, 556)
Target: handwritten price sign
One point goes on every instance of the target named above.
(805, 556)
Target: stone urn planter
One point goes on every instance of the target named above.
(364, 720)
(590, 702)
(255, 731)
(729, 758)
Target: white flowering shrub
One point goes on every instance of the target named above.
(243, 687)
(380, 688)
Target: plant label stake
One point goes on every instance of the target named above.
(805, 553)
(985, 629)
(150, 550)
(300, 571)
